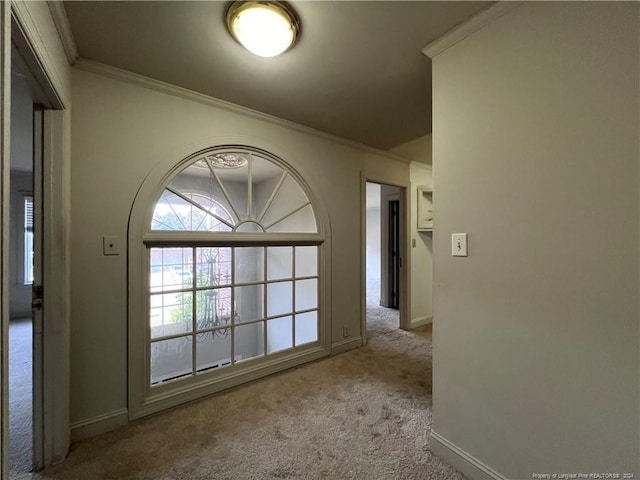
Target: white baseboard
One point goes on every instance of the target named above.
(346, 345)
(420, 321)
(99, 424)
(462, 461)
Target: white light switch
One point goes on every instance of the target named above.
(110, 246)
(459, 244)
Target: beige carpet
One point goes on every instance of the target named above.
(365, 414)
(20, 398)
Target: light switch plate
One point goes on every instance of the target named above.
(459, 244)
(110, 245)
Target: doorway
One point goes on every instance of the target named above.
(383, 240)
(29, 57)
(23, 270)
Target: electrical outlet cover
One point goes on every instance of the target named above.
(110, 245)
(459, 244)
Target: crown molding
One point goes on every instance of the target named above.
(466, 28)
(167, 88)
(61, 21)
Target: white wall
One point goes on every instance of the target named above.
(373, 243)
(419, 151)
(21, 125)
(422, 253)
(21, 183)
(536, 359)
(121, 132)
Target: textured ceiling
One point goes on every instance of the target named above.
(356, 72)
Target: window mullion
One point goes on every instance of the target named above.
(224, 191)
(232, 326)
(198, 206)
(169, 337)
(293, 297)
(250, 188)
(264, 300)
(272, 197)
(211, 239)
(176, 215)
(194, 309)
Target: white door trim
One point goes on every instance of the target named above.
(19, 27)
(37, 315)
(56, 279)
(5, 166)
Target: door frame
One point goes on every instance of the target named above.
(51, 440)
(5, 166)
(405, 252)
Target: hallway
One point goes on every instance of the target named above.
(362, 414)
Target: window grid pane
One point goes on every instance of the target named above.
(170, 314)
(233, 321)
(306, 327)
(213, 350)
(279, 334)
(213, 266)
(171, 359)
(213, 308)
(171, 269)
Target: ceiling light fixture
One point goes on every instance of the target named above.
(221, 160)
(265, 28)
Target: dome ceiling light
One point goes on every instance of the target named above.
(222, 160)
(265, 28)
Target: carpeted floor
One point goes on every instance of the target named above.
(364, 414)
(20, 404)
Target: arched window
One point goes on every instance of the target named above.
(261, 195)
(232, 252)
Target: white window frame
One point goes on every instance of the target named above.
(145, 399)
(27, 246)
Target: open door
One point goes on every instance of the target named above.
(390, 246)
(37, 294)
(394, 261)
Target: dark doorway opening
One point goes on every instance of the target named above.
(394, 261)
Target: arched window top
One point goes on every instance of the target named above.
(234, 189)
